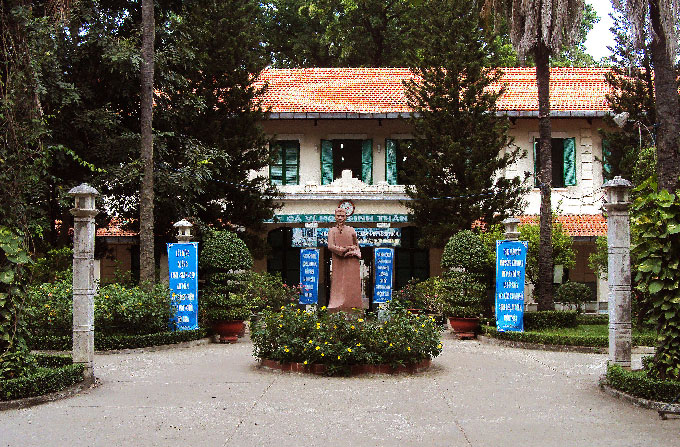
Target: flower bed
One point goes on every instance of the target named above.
(105, 342)
(590, 335)
(54, 373)
(339, 341)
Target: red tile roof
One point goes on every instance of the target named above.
(116, 228)
(381, 90)
(576, 224)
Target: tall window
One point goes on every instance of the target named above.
(285, 170)
(563, 162)
(339, 155)
(397, 169)
(411, 261)
(284, 258)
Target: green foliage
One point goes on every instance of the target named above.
(465, 250)
(642, 384)
(224, 251)
(14, 262)
(460, 145)
(593, 319)
(463, 295)
(117, 309)
(107, 342)
(599, 259)
(217, 306)
(593, 335)
(423, 295)
(56, 265)
(574, 293)
(545, 319)
(656, 221)
(339, 339)
(43, 381)
(645, 165)
(265, 290)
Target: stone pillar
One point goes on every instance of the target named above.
(511, 230)
(184, 231)
(83, 276)
(617, 193)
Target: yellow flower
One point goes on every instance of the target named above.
(349, 349)
(390, 344)
(439, 346)
(358, 344)
(287, 350)
(305, 362)
(335, 327)
(422, 325)
(318, 325)
(408, 347)
(310, 342)
(338, 357)
(352, 327)
(106, 296)
(47, 306)
(317, 348)
(323, 307)
(282, 307)
(325, 343)
(360, 320)
(280, 325)
(323, 355)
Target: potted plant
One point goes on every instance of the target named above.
(224, 261)
(464, 260)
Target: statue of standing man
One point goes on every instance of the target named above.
(346, 274)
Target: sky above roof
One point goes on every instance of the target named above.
(600, 37)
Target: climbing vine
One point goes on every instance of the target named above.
(656, 220)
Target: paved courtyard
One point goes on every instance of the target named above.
(213, 395)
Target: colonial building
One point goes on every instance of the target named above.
(340, 133)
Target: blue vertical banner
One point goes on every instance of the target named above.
(183, 270)
(511, 258)
(309, 275)
(382, 288)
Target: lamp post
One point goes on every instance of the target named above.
(617, 193)
(184, 230)
(83, 275)
(511, 228)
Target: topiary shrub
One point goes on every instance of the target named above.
(425, 295)
(465, 250)
(265, 290)
(574, 294)
(224, 260)
(463, 295)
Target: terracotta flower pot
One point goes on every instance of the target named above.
(228, 330)
(464, 327)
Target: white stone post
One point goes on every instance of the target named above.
(617, 192)
(83, 276)
(511, 229)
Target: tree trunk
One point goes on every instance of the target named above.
(545, 252)
(667, 107)
(147, 264)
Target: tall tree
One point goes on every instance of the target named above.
(663, 17)
(461, 146)
(147, 262)
(541, 28)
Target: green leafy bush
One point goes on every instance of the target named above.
(462, 295)
(465, 250)
(268, 290)
(217, 306)
(534, 321)
(641, 384)
(423, 295)
(593, 319)
(224, 251)
(568, 337)
(56, 265)
(42, 381)
(656, 222)
(574, 294)
(104, 342)
(117, 309)
(339, 339)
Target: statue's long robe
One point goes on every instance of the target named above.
(346, 274)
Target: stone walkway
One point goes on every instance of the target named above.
(212, 395)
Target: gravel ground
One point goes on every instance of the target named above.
(475, 394)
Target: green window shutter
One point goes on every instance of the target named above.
(367, 161)
(276, 168)
(569, 165)
(536, 167)
(606, 161)
(326, 162)
(391, 161)
(292, 163)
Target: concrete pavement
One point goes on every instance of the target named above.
(213, 395)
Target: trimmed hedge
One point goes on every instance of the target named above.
(565, 340)
(52, 360)
(111, 342)
(44, 381)
(638, 384)
(593, 319)
(547, 319)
